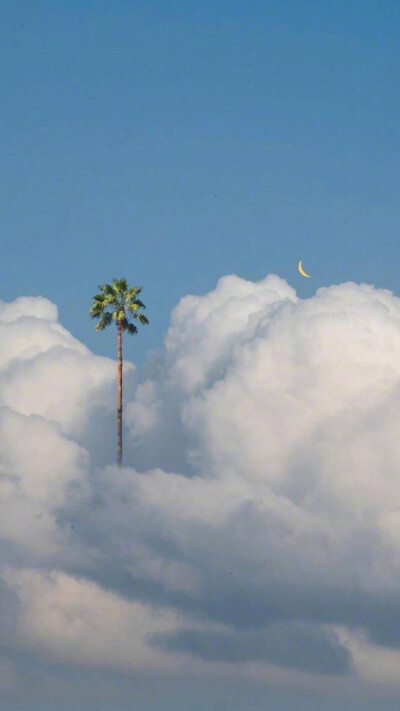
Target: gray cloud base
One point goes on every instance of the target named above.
(288, 644)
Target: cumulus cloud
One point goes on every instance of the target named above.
(257, 517)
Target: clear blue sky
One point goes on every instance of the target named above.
(177, 142)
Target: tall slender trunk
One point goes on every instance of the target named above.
(119, 408)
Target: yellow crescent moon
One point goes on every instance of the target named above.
(301, 270)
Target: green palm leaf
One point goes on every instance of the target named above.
(118, 302)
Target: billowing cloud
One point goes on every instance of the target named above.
(257, 519)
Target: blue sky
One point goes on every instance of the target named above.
(176, 143)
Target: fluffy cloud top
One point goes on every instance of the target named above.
(257, 519)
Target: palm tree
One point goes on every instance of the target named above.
(118, 302)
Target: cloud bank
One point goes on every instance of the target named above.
(256, 523)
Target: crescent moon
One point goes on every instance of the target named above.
(301, 270)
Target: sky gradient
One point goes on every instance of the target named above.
(247, 555)
(179, 142)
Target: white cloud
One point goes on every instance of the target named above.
(264, 506)
(205, 330)
(39, 470)
(73, 620)
(28, 307)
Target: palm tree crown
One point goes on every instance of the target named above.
(118, 302)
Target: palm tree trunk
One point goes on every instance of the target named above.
(119, 408)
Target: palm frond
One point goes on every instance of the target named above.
(108, 289)
(132, 292)
(135, 305)
(118, 302)
(130, 328)
(95, 311)
(104, 322)
(141, 318)
(120, 285)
